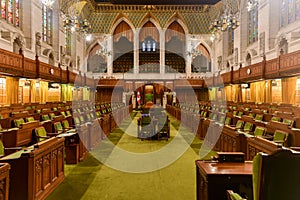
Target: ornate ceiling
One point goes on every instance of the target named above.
(104, 15)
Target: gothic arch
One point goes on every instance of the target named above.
(151, 18)
(121, 17)
(178, 18)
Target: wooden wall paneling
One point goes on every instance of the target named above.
(272, 68)
(289, 64)
(29, 68)
(236, 76)
(49, 72)
(252, 72)
(227, 77)
(11, 63)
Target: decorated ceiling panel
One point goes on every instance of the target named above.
(103, 16)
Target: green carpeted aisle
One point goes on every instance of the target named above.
(93, 180)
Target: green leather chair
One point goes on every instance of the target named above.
(259, 131)
(41, 134)
(288, 122)
(259, 117)
(280, 137)
(30, 119)
(274, 176)
(18, 122)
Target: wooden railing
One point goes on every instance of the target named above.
(17, 65)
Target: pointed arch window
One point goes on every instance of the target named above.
(230, 42)
(290, 12)
(47, 24)
(253, 25)
(10, 11)
(68, 41)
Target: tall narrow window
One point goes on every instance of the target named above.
(17, 13)
(253, 25)
(290, 12)
(3, 9)
(47, 24)
(68, 41)
(10, 11)
(297, 7)
(230, 42)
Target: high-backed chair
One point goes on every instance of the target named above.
(274, 176)
(163, 127)
(41, 134)
(259, 131)
(29, 119)
(58, 127)
(18, 122)
(146, 129)
(280, 137)
(288, 122)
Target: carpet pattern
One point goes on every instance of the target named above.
(93, 180)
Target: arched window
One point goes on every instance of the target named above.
(68, 41)
(253, 25)
(230, 42)
(47, 24)
(10, 11)
(290, 12)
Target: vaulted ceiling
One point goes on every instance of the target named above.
(103, 14)
(160, 2)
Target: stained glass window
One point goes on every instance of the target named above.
(17, 13)
(10, 11)
(230, 42)
(3, 9)
(297, 9)
(68, 41)
(290, 12)
(253, 25)
(47, 24)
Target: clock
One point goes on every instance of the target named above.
(51, 71)
(248, 71)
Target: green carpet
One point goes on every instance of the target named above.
(91, 179)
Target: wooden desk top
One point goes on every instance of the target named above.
(225, 168)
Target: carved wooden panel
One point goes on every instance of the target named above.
(290, 63)
(49, 72)
(271, 68)
(226, 77)
(30, 68)
(64, 76)
(252, 72)
(11, 62)
(236, 76)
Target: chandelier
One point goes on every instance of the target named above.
(103, 52)
(74, 22)
(48, 3)
(194, 52)
(227, 21)
(251, 4)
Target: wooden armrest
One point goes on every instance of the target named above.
(233, 196)
(295, 148)
(42, 136)
(13, 148)
(53, 134)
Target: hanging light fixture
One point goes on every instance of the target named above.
(227, 21)
(48, 3)
(74, 23)
(251, 4)
(194, 52)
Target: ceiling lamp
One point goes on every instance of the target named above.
(227, 21)
(74, 23)
(194, 52)
(251, 4)
(48, 3)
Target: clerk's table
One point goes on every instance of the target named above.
(213, 178)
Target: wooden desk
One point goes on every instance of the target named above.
(214, 178)
(36, 172)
